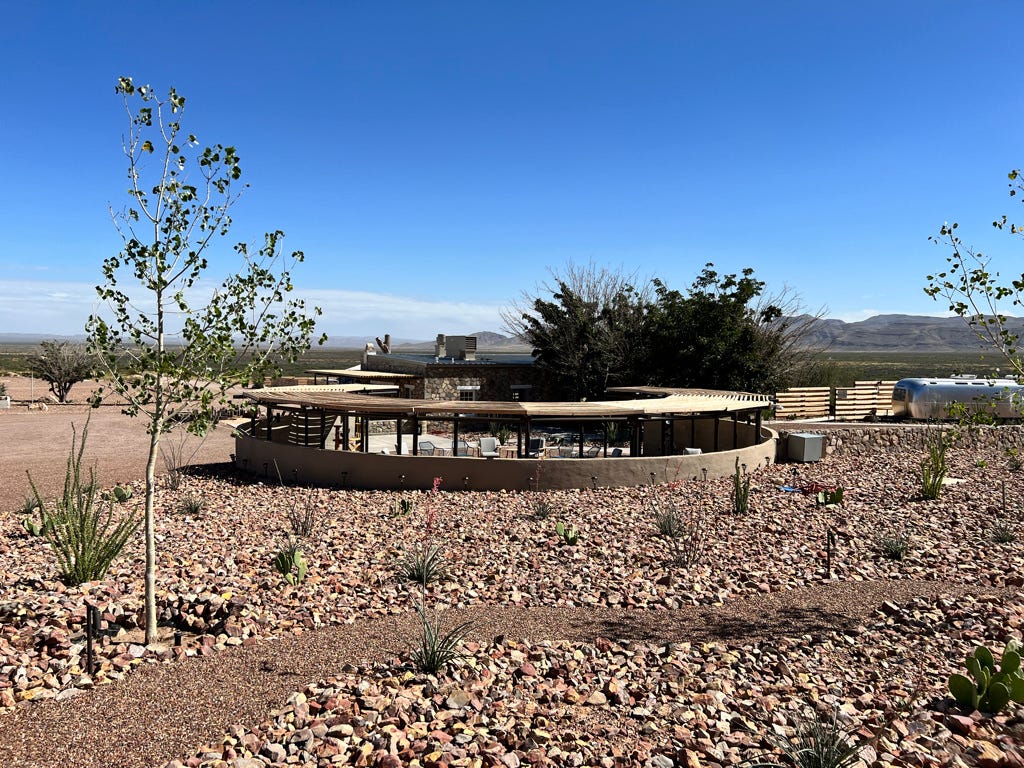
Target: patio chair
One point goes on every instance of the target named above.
(535, 447)
(592, 452)
(566, 451)
(425, 448)
(489, 447)
(461, 448)
(616, 452)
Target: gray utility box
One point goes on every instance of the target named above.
(804, 446)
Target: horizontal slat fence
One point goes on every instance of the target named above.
(865, 398)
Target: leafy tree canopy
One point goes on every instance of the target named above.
(597, 330)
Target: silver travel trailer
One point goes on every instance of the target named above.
(931, 398)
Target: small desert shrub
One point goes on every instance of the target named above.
(894, 545)
(542, 510)
(437, 651)
(172, 453)
(403, 507)
(816, 743)
(934, 467)
(990, 688)
(424, 564)
(290, 562)
(686, 532)
(568, 534)
(740, 490)
(303, 519)
(1003, 533)
(85, 540)
(193, 505)
(27, 511)
(1013, 459)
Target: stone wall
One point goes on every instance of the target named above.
(850, 441)
(442, 382)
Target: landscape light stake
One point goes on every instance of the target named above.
(653, 474)
(593, 481)
(465, 483)
(529, 482)
(295, 475)
(704, 471)
(830, 543)
(177, 638)
(401, 482)
(92, 628)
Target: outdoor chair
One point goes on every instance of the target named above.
(425, 448)
(616, 452)
(566, 451)
(489, 447)
(592, 452)
(461, 448)
(535, 447)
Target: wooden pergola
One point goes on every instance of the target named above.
(328, 402)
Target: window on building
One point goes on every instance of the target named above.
(469, 393)
(521, 391)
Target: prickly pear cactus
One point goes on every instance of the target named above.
(989, 689)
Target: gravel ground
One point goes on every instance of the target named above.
(568, 664)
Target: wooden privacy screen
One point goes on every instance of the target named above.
(840, 403)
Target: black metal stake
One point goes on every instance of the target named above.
(401, 482)
(92, 628)
(295, 476)
(704, 470)
(830, 542)
(465, 483)
(593, 481)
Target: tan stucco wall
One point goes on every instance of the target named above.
(371, 470)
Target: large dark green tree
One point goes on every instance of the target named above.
(170, 344)
(723, 332)
(587, 332)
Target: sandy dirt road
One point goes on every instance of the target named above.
(39, 440)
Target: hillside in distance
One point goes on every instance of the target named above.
(902, 333)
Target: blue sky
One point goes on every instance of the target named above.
(435, 159)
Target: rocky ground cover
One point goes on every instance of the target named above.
(542, 700)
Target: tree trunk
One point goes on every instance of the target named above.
(150, 528)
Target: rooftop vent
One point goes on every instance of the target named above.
(456, 347)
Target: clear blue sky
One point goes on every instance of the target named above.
(434, 159)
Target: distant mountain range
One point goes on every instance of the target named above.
(906, 333)
(881, 333)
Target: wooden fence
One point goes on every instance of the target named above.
(864, 399)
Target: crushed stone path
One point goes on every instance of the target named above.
(166, 711)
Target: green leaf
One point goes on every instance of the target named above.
(963, 691)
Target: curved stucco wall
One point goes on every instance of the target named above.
(379, 471)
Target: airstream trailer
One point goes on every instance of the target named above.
(932, 398)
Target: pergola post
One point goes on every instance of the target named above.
(398, 437)
(717, 418)
(415, 435)
(345, 444)
(735, 430)
(455, 436)
(270, 413)
(519, 438)
(323, 428)
(757, 427)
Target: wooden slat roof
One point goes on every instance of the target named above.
(332, 398)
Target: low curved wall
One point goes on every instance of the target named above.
(391, 472)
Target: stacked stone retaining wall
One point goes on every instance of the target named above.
(851, 441)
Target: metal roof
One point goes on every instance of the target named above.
(356, 373)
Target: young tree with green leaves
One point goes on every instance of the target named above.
(978, 294)
(170, 346)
